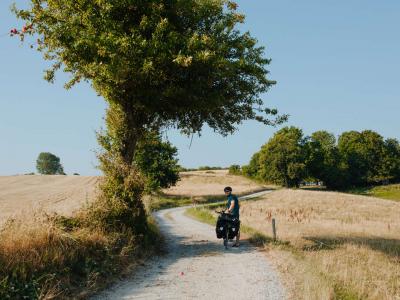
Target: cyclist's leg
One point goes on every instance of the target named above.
(237, 237)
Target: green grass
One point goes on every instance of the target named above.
(157, 203)
(389, 192)
(201, 214)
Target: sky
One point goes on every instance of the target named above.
(336, 64)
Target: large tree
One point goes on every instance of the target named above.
(158, 63)
(282, 159)
(362, 154)
(323, 160)
(390, 167)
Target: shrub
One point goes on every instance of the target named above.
(235, 170)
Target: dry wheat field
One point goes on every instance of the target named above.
(205, 183)
(335, 241)
(25, 194)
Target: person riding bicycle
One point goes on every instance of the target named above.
(233, 208)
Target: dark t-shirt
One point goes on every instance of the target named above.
(235, 211)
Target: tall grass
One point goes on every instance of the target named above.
(339, 246)
(49, 257)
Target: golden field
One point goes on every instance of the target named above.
(332, 243)
(211, 183)
(22, 195)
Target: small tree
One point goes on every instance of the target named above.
(49, 164)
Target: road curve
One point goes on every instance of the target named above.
(198, 267)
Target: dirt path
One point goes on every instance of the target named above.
(198, 267)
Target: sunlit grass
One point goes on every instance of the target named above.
(390, 192)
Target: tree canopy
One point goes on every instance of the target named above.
(282, 159)
(159, 64)
(323, 159)
(172, 62)
(356, 159)
(49, 164)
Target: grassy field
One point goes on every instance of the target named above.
(330, 245)
(390, 192)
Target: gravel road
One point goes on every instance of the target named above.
(198, 267)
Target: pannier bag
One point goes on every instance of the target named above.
(234, 229)
(222, 225)
(220, 228)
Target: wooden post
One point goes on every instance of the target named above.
(273, 229)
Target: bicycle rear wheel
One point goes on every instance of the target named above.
(226, 239)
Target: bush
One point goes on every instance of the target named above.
(156, 160)
(235, 170)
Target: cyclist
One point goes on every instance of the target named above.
(233, 208)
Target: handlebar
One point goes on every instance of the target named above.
(222, 212)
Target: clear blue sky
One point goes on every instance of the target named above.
(337, 64)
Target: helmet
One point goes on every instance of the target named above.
(228, 189)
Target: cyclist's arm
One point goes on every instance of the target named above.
(230, 209)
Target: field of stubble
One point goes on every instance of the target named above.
(332, 243)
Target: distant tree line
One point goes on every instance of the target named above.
(201, 168)
(355, 159)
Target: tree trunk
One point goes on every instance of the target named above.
(125, 128)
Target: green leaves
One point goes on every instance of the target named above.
(156, 160)
(183, 63)
(358, 159)
(282, 159)
(49, 164)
